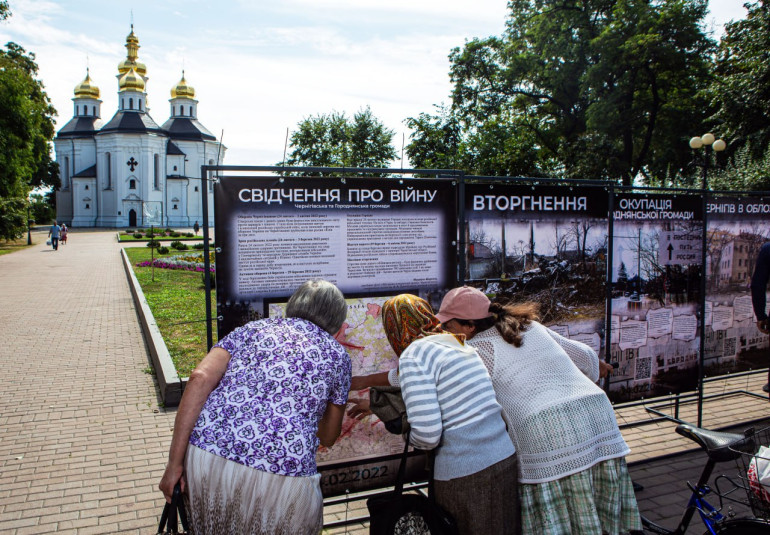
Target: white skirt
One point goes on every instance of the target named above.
(224, 497)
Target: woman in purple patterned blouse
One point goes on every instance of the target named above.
(252, 416)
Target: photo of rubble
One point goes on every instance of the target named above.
(559, 262)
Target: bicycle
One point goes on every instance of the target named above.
(720, 447)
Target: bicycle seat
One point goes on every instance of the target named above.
(719, 446)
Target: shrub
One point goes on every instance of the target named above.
(198, 246)
(174, 244)
(137, 235)
(153, 243)
(129, 231)
(174, 234)
(162, 249)
(168, 231)
(189, 234)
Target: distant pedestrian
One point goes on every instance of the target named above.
(758, 293)
(63, 233)
(196, 228)
(54, 232)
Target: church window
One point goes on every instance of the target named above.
(132, 184)
(175, 207)
(77, 110)
(131, 104)
(173, 110)
(86, 186)
(94, 111)
(156, 171)
(175, 168)
(109, 170)
(181, 109)
(196, 188)
(66, 183)
(88, 206)
(140, 104)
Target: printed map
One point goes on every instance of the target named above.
(364, 338)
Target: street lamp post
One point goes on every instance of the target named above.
(29, 234)
(706, 142)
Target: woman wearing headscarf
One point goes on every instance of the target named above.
(573, 474)
(451, 407)
(251, 418)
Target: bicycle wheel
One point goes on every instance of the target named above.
(743, 526)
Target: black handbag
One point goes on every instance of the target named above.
(168, 518)
(388, 405)
(396, 513)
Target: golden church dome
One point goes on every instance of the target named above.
(86, 88)
(132, 46)
(127, 64)
(183, 89)
(131, 81)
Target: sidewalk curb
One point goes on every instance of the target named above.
(171, 385)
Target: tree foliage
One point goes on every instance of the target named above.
(743, 172)
(26, 130)
(741, 85)
(334, 140)
(600, 89)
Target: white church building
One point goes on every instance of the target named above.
(123, 173)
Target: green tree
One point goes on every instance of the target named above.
(599, 89)
(333, 140)
(42, 210)
(496, 147)
(741, 85)
(743, 172)
(435, 140)
(26, 131)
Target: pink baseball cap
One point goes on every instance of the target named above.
(464, 303)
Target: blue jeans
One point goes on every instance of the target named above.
(55, 243)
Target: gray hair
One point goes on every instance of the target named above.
(320, 302)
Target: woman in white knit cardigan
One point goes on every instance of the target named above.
(573, 477)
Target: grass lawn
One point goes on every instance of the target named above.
(177, 299)
(14, 245)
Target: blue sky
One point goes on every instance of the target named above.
(260, 67)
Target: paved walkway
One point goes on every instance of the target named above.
(83, 440)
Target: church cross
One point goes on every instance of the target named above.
(132, 163)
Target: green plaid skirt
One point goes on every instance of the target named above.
(598, 500)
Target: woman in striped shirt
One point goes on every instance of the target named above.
(451, 408)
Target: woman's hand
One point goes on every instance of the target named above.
(171, 476)
(359, 382)
(360, 408)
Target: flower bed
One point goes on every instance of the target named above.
(187, 262)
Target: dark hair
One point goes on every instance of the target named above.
(320, 302)
(511, 320)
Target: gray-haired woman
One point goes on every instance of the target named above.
(252, 416)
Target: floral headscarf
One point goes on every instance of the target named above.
(406, 318)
